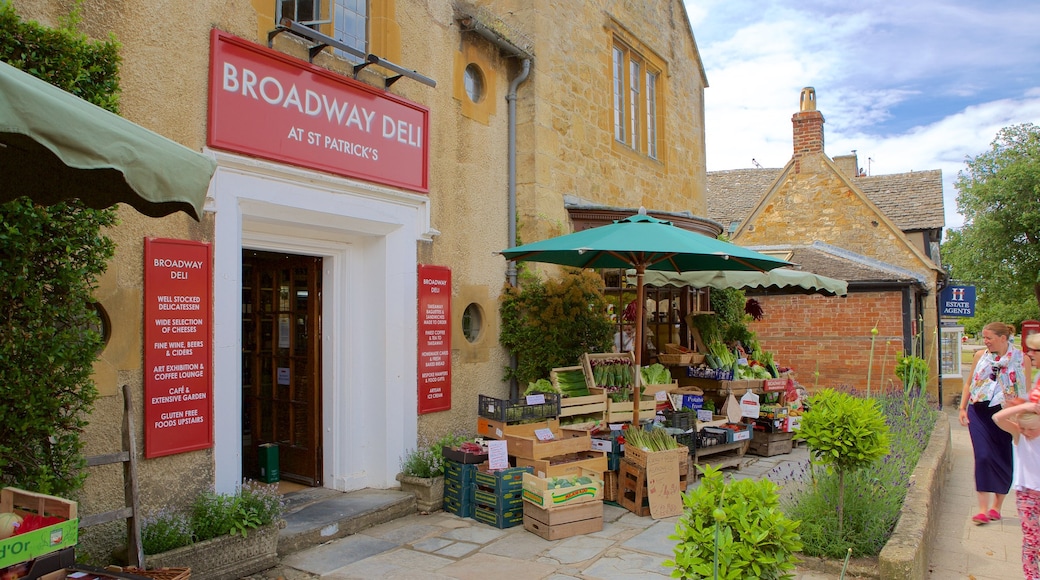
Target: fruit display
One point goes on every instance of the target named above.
(9, 523)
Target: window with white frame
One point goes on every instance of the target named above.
(348, 20)
(636, 105)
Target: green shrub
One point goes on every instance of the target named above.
(50, 261)
(213, 515)
(733, 531)
(427, 460)
(873, 502)
(551, 324)
(844, 432)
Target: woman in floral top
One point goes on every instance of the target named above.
(1000, 376)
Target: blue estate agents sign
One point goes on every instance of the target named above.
(957, 301)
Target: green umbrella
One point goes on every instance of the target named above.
(55, 146)
(643, 243)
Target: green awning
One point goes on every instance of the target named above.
(55, 146)
(781, 280)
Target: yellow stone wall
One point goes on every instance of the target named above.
(565, 146)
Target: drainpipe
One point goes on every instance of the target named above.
(511, 99)
(514, 388)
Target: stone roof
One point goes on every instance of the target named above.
(913, 201)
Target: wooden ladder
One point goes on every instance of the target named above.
(128, 457)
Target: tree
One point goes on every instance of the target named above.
(845, 432)
(998, 249)
(50, 260)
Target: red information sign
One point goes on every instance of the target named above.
(434, 339)
(178, 406)
(267, 104)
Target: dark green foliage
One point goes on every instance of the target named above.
(551, 324)
(50, 260)
(728, 306)
(739, 525)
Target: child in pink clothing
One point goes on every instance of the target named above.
(1023, 422)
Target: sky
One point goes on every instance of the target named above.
(909, 85)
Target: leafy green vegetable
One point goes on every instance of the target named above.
(656, 374)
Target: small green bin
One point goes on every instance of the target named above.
(269, 463)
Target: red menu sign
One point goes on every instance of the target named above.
(267, 104)
(178, 405)
(434, 339)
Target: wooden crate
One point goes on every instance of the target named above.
(30, 545)
(770, 444)
(570, 464)
(588, 405)
(499, 430)
(565, 441)
(588, 360)
(610, 486)
(565, 522)
(537, 491)
(638, 456)
(632, 492)
(622, 412)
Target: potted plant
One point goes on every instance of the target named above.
(221, 536)
(422, 472)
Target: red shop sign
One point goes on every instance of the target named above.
(178, 386)
(267, 104)
(434, 339)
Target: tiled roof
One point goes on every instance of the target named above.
(733, 194)
(834, 262)
(913, 201)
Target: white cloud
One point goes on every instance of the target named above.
(910, 86)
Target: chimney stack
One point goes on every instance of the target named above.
(808, 128)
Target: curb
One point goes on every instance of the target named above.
(905, 556)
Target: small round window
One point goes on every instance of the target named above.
(472, 322)
(474, 79)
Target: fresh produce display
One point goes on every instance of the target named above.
(708, 405)
(621, 395)
(612, 374)
(655, 440)
(567, 481)
(572, 383)
(540, 386)
(655, 374)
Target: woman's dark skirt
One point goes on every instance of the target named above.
(993, 450)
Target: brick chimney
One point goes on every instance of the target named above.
(808, 128)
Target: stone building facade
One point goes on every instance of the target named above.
(600, 99)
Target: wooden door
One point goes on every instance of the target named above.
(281, 363)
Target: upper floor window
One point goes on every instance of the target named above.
(636, 100)
(344, 20)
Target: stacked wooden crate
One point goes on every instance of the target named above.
(556, 508)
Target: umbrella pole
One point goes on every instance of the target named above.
(637, 346)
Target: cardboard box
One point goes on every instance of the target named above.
(538, 492)
(564, 522)
(793, 423)
(563, 465)
(733, 435)
(650, 390)
(36, 543)
(499, 429)
(458, 456)
(565, 441)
